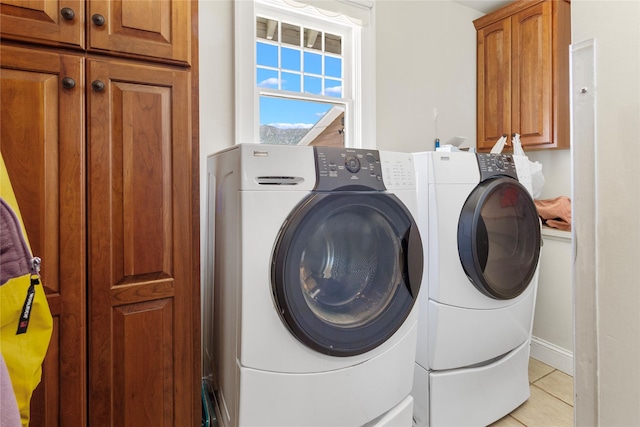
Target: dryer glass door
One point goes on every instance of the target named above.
(499, 238)
(346, 270)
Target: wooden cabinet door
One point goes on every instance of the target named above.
(43, 21)
(156, 29)
(494, 83)
(43, 147)
(144, 310)
(531, 90)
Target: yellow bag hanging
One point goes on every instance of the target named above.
(25, 319)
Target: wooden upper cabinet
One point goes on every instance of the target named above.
(52, 22)
(523, 74)
(43, 147)
(156, 29)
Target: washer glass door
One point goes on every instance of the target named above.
(346, 270)
(499, 238)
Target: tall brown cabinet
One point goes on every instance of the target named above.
(523, 74)
(99, 127)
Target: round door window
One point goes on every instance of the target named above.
(340, 275)
(499, 238)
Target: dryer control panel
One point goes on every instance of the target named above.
(348, 169)
(492, 164)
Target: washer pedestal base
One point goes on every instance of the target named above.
(472, 396)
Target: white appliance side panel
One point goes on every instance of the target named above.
(461, 337)
(266, 342)
(351, 396)
(422, 346)
(420, 394)
(480, 396)
(422, 165)
(223, 198)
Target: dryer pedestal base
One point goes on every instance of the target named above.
(472, 396)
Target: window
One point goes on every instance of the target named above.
(307, 85)
(300, 72)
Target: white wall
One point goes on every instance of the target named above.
(608, 290)
(216, 77)
(556, 168)
(552, 341)
(425, 59)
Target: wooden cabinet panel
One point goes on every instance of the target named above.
(141, 253)
(531, 89)
(42, 21)
(43, 147)
(158, 29)
(494, 83)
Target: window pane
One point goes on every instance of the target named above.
(291, 59)
(313, 85)
(288, 121)
(291, 82)
(267, 54)
(267, 29)
(333, 88)
(313, 39)
(312, 63)
(290, 34)
(333, 67)
(267, 78)
(333, 44)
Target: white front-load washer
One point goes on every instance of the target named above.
(479, 288)
(317, 263)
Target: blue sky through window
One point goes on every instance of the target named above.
(297, 114)
(295, 69)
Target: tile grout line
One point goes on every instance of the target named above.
(544, 376)
(555, 397)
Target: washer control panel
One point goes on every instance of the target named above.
(339, 168)
(491, 164)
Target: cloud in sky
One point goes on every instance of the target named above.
(291, 125)
(272, 82)
(333, 91)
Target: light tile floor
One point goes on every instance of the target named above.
(551, 401)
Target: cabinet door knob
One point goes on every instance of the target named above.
(68, 83)
(98, 19)
(67, 13)
(97, 86)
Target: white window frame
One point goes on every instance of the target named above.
(360, 125)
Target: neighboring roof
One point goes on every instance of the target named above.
(322, 124)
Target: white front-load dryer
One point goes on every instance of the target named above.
(317, 263)
(479, 288)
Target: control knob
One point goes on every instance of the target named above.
(352, 164)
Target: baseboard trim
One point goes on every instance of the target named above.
(552, 355)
